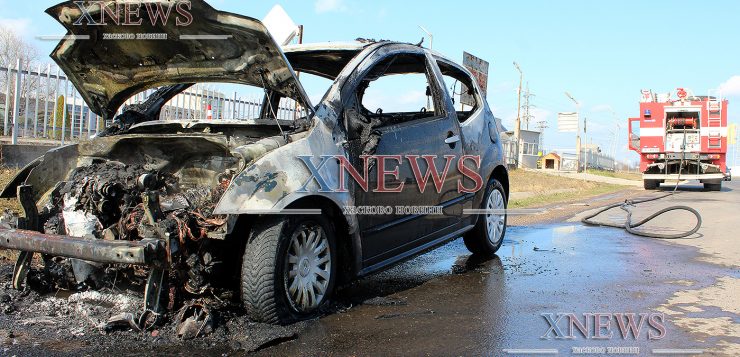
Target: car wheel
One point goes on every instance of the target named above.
(488, 234)
(288, 269)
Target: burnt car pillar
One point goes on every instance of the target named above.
(29, 221)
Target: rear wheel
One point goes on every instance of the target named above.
(488, 234)
(650, 184)
(713, 186)
(288, 269)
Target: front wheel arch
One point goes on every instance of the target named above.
(501, 174)
(349, 251)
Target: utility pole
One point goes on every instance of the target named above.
(542, 125)
(527, 106)
(518, 127)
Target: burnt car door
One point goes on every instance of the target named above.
(398, 109)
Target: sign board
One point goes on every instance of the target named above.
(568, 122)
(479, 69)
(647, 96)
(280, 25)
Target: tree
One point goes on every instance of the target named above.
(13, 47)
(59, 115)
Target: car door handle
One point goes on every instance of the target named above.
(452, 139)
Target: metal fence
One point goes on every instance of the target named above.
(40, 102)
(589, 159)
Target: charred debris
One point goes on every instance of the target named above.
(161, 184)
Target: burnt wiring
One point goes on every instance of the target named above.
(628, 205)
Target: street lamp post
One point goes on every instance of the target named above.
(518, 126)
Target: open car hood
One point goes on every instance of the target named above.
(106, 72)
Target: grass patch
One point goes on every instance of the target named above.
(622, 175)
(558, 197)
(548, 189)
(6, 175)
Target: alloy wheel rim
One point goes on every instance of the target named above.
(495, 216)
(308, 267)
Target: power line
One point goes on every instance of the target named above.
(542, 125)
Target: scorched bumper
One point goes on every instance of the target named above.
(142, 252)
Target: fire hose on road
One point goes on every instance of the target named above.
(630, 226)
(627, 206)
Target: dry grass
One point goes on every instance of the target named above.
(623, 175)
(549, 189)
(531, 181)
(6, 175)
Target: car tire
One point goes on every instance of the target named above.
(283, 278)
(650, 184)
(489, 231)
(713, 186)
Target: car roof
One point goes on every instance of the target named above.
(355, 46)
(327, 59)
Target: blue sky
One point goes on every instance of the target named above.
(601, 52)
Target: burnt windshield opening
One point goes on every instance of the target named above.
(183, 106)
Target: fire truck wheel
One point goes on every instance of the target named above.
(651, 184)
(713, 186)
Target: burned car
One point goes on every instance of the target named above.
(261, 204)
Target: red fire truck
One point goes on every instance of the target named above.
(681, 138)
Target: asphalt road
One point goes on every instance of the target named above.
(448, 302)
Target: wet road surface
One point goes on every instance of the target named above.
(448, 302)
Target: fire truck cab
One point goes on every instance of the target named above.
(680, 139)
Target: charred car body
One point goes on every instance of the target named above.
(201, 203)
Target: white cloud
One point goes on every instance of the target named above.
(21, 26)
(322, 6)
(731, 88)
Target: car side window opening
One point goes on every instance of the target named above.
(398, 90)
(461, 89)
